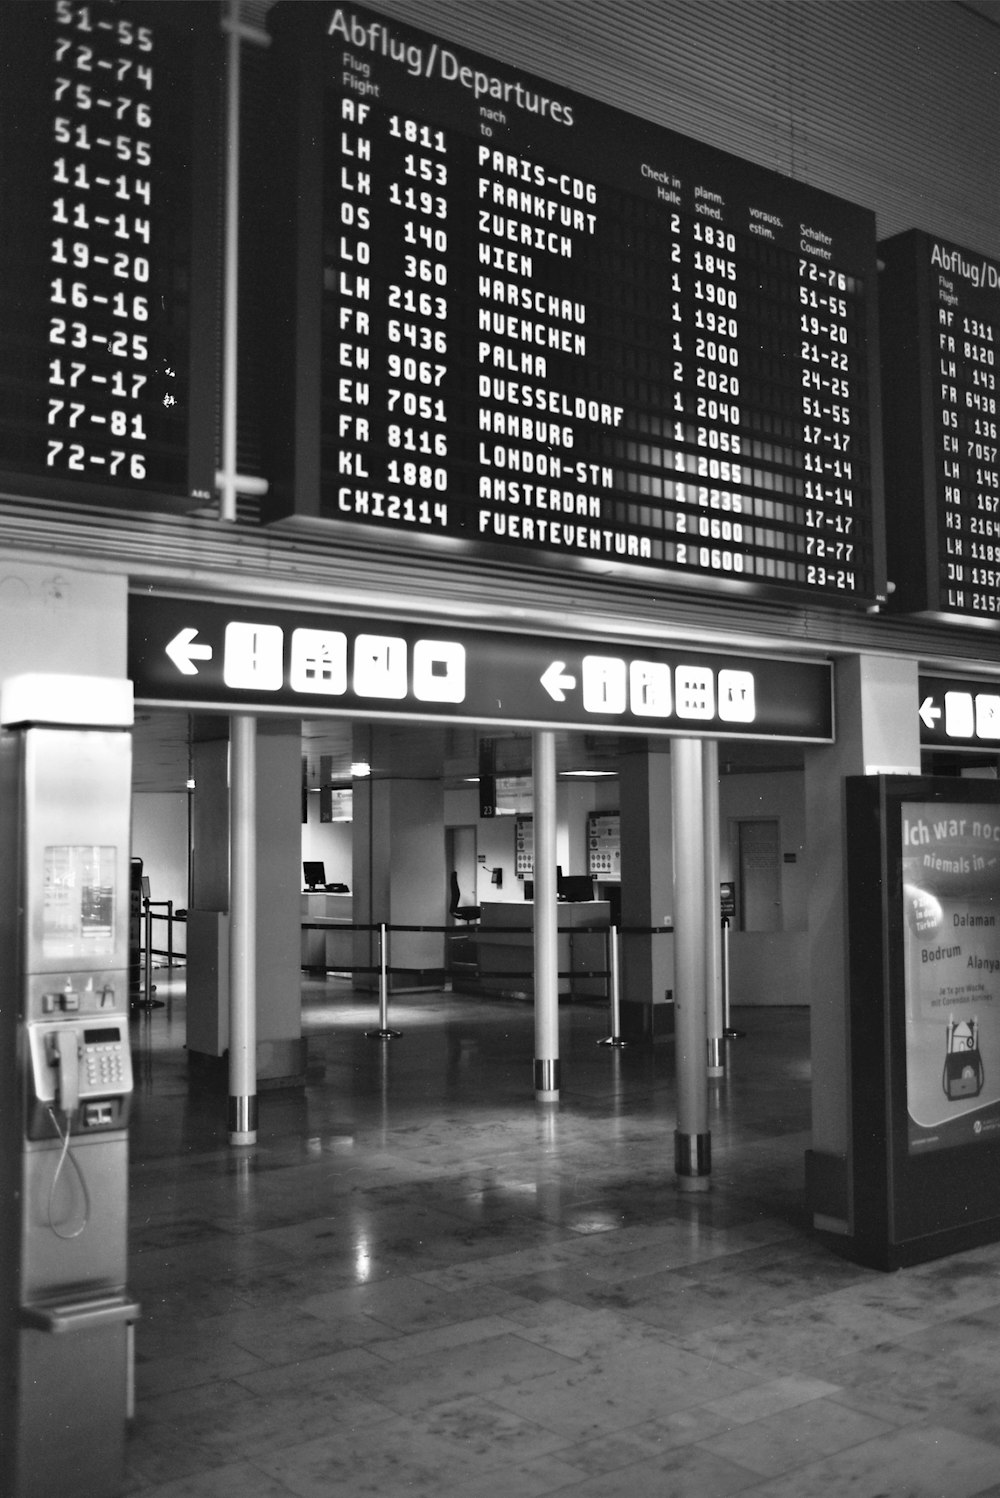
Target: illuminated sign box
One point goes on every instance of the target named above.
(959, 713)
(536, 328)
(924, 943)
(108, 316)
(282, 660)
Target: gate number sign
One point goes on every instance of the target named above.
(265, 660)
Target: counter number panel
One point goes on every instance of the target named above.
(108, 318)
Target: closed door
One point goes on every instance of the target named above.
(760, 875)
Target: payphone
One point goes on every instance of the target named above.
(65, 793)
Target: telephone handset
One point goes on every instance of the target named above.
(63, 1050)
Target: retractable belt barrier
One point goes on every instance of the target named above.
(385, 970)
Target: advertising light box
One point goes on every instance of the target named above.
(924, 938)
(951, 953)
(108, 317)
(511, 317)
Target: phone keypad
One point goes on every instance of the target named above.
(105, 1066)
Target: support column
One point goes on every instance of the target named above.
(878, 731)
(242, 1119)
(207, 1017)
(692, 1140)
(713, 920)
(647, 893)
(546, 938)
(399, 875)
(281, 1049)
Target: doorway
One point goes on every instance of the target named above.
(461, 853)
(759, 874)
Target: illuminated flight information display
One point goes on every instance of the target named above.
(517, 318)
(940, 310)
(107, 139)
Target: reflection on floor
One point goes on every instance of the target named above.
(422, 1283)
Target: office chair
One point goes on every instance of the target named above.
(456, 908)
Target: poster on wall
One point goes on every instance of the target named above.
(951, 897)
(524, 847)
(604, 845)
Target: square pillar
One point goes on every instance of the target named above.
(647, 962)
(399, 864)
(878, 731)
(281, 1050)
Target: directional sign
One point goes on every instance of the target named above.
(265, 660)
(958, 713)
(184, 652)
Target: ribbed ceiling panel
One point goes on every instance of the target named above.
(889, 103)
(896, 106)
(651, 60)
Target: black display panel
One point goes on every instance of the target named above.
(108, 315)
(924, 941)
(248, 658)
(940, 317)
(515, 317)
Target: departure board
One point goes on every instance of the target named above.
(940, 308)
(108, 319)
(548, 331)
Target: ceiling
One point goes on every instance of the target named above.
(989, 9)
(162, 738)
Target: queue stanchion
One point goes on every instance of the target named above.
(614, 984)
(148, 988)
(383, 1032)
(728, 1033)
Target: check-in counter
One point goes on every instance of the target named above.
(331, 946)
(506, 954)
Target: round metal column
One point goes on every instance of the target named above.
(242, 1121)
(692, 1141)
(713, 917)
(546, 936)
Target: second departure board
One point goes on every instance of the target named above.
(108, 318)
(514, 317)
(940, 346)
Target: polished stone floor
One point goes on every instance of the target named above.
(422, 1284)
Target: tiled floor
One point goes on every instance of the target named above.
(422, 1284)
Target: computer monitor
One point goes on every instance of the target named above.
(314, 874)
(576, 887)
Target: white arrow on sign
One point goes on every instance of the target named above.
(557, 682)
(929, 714)
(183, 653)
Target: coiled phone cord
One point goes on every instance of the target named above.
(65, 1153)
